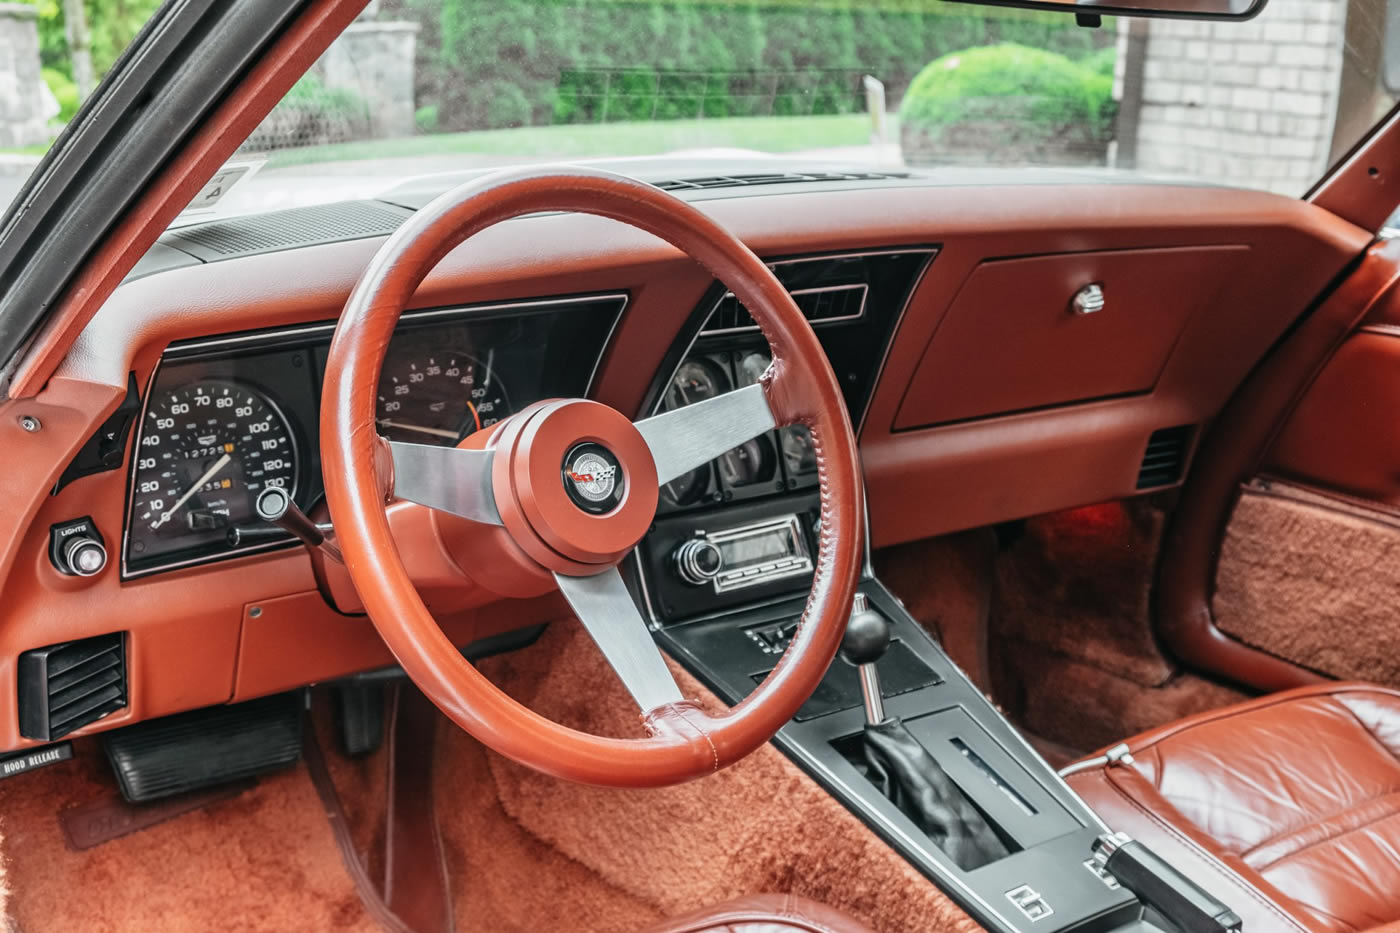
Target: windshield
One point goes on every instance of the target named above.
(417, 87)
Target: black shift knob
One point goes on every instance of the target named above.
(867, 634)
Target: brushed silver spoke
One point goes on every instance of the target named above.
(690, 437)
(606, 609)
(448, 479)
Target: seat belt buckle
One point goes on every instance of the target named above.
(1161, 887)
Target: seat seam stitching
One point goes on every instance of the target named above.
(1311, 845)
(1210, 859)
(1327, 817)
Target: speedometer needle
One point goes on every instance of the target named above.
(421, 429)
(208, 475)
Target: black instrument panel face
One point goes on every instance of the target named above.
(225, 418)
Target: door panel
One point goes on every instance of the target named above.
(1344, 434)
(1309, 567)
(1312, 578)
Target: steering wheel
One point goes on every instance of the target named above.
(568, 487)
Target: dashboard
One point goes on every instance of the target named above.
(945, 306)
(226, 418)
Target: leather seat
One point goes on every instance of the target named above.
(1286, 808)
(764, 913)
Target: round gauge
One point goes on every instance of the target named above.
(695, 381)
(439, 399)
(752, 366)
(751, 462)
(206, 450)
(799, 453)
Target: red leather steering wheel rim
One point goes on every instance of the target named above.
(683, 741)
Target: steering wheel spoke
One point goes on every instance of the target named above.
(449, 479)
(686, 438)
(606, 609)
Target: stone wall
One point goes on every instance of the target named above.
(23, 120)
(1250, 103)
(374, 60)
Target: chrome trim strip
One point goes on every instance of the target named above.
(179, 350)
(879, 373)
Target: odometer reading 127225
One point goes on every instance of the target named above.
(206, 449)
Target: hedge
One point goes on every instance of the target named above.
(1009, 103)
(495, 63)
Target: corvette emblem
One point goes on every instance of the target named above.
(592, 478)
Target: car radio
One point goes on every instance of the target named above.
(745, 556)
(699, 563)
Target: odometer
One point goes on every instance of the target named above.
(205, 451)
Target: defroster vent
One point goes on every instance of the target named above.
(65, 687)
(1165, 458)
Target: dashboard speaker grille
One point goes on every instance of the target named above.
(1165, 458)
(65, 687)
(289, 229)
(771, 178)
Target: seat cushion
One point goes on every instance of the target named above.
(1286, 808)
(764, 913)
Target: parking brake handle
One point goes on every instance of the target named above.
(1161, 887)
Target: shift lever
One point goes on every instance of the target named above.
(866, 640)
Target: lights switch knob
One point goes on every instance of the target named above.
(76, 548)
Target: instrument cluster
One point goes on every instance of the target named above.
(225, 418)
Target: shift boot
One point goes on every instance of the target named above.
(908, 775)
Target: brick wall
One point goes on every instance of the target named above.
(1249, 104)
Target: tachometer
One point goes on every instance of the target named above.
(206, 450)
(439, 399)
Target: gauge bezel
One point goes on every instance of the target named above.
(307, 336)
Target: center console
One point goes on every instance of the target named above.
(724, 576)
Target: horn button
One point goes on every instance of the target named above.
(575, 484)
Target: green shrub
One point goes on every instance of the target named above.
(1044, 87)
(64, 91)
(425, 119)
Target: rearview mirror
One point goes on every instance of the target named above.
(1175, 9)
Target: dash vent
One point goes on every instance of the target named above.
(65, 687)
(1165, 458)
(288, 229)
(818, 305)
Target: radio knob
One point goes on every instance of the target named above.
(698, 561)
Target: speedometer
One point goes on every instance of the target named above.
(206, 450)
(439, 398)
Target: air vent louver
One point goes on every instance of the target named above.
(288, 229)
(65, 687)
(772, 178)
(818, 305)
(1165, 458)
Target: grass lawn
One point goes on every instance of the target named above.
(771, 134)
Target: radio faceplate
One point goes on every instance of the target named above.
(700, 563)
(760, 553)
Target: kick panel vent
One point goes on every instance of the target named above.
(1165, 459)
(288, 229)
(65, 687)
(818, 305)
